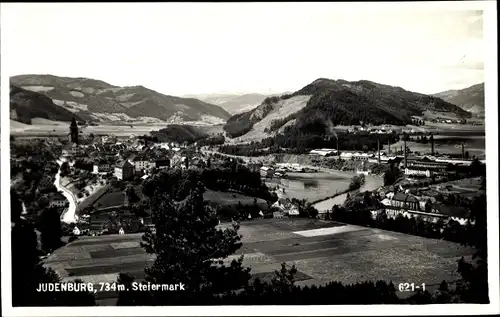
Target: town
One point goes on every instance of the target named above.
(247, 185)
(100, 178)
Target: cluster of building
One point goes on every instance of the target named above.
(384, 129)
(128, 157)
(423, 207)
(280, 169)
(414, 166)
(427, 203)
(449, 121)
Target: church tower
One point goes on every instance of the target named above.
(73, 131)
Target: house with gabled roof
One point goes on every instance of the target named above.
(124, 170)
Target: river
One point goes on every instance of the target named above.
(371, 183)
(70, 215)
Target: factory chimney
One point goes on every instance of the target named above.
(406, 155)
(389, 146)
(338, 150)
(378, 149)
(463, 152)
(432, 145)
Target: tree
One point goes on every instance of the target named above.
(284, 279)
(391, 175)
(28, 273)
(188, 244)
(473, 286)
(49, 225)
(477, 168)
(65, 169)
(443, 295)
(428, 206)
(356, 182)
(131, 195)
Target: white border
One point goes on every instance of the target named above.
(491, 100)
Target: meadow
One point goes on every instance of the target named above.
(231, 199)
(322, 251)
(449, 144)
(43, 127)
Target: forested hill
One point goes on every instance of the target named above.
(337, 102)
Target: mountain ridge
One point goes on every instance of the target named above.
(97, 100)
(470, 99)
(339, 102)
(25, 105)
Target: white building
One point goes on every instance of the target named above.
(141, 164)
(57, 200)
(124, 170)
(323, 152)
(102, 168)
(418, 171)
(266, 171)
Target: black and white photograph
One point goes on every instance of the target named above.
(249, 158)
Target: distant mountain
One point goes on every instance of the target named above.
(96, 100)
(26, 105)
(326, 102)
(215, 99)
(234, 103)
(243, 103)
(470, 99)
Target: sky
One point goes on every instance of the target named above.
(195, 48)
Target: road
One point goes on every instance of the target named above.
(70, 215)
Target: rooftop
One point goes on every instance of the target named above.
(405, 198)
(123, 163)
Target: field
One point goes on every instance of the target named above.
(322, 251)
(227, 199)
(42, 127)
(116, 197)
(110, 199)
(449, 144)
